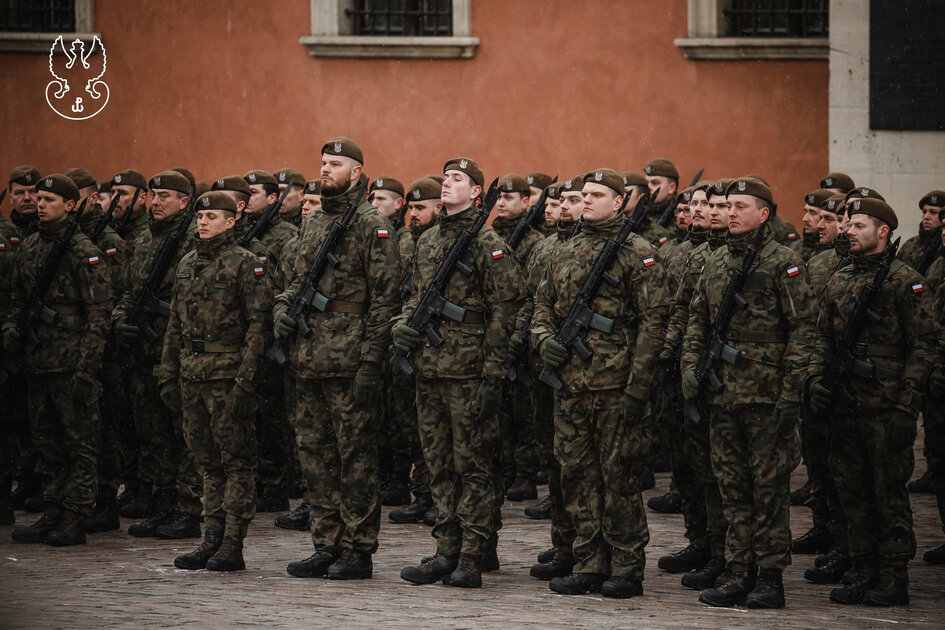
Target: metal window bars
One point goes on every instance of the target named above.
(778, 18)
(402, 18)
(37, 16)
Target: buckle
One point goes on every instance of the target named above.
(860, 349)
(731, 334)
(196, 346)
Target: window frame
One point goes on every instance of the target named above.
(40, 42)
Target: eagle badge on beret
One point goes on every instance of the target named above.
(741, 186)
(831, 204)
(311, 186)
(508, 186)
(598, 175)
(378, 183)
(118, 179)
(829, 182)
(934, 199)
(49, 181)
(337, 147)
(28, 177)
(648, 169)
(206, 202)
(252, 177)
(810, 200)
(157, 181)
(856, 204)
(463, 163)
(718, 187)
(416, 194)
(864, 191)
(281, 177)
(567, 184)
(219, 182)
(530, 180)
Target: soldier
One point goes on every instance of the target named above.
(933, 420)
(104, 193)
(130, 223)
(264, 190)
(338, 371)
(552, 209)
(599, 431)
(9, 451)
(459, 381)
(62, 369)
(871, 451)
(912, 250)
(291, 210)
(810, 244)
(837, 183)
(216, 334)
(22, 187)
(683, 218)
(753, 418)
(537, 182)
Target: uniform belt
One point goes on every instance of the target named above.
(879, 350)
(756, 336)
(197, 345)
(340, 306)
(473, 317)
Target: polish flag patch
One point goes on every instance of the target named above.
(3, 247)
(793, 271)
(15, 240)
(649, 262)
(917, 288)
(93, 260)
(702, 268)
(264, 259)
(111, 251)
(792, 236)
(258, 271)
(497, 254)
(663, 240)
(382, 233)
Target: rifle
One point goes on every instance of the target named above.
(716, 349)
(406, 282)
(104, 220)
(670, 210)
(126, 217)
(262, 224)
(578, 226)
(529, 220)
(931, 253)
(580, 317)
(308, 295)
(433, 304)
(844, 362)
(148, 304)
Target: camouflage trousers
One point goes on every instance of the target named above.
(675, 437)
(753, 459)
(337, 443)
(871, 459)
(600, 454)
(399, 453)
(518, 446)
(274, 436)
(114, 451)
(224, 449)
(562, 531)
(16, 423)
(698, 452)
(934, 448)
(66, 433)
(456, 447)
(826, 511)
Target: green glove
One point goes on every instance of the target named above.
(405, 338)
(170, 394)
(282, 325)
(127, 334)
(488, 397)
(553, 353)
(367, 384)
(666, 354)
(786, 414)
(242, 401)
(900, 432)
(84, 388)
(12, 341)
(632, 408)
(518, 346)
(690, 384)
(819, 396)
(937, 382)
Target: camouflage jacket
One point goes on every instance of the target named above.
(274, 239)
(774, 335)
(292, 217)
(407, 246)
(136, 228)
(80, 294)
(936, 274)
(783, 230)
(912, 250)
(688, 278)
(114, 250)
(476, 347)
(220, 314)
(678, 238)
(271, 264)
(809, 245)
(363, 292)
(625, 357)
(823, 265)
(542, 255)
(901, 346)
(27, 224)
(652, 232)
(9, 248)
(531, 238)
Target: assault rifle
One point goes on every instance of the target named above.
(126, 217)
(104, 220)
(931, 253)
(581, 318)
(308, 295)
(433, 304)
(670, 211)
(262, 224)
(530, 219)
(716, 349)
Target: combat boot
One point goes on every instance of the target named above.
(297, 519)
(36, 533)
(429, 517)
(489, 561)
(23, 491)
(522, 489)
(428, 573)
(272, 504)
(229, 557)
(692, 557)
(801, 495)
(888, 593)
(69, 532)
(621, 588)
(178, 525)
(148, 527)
(770, 590)
(197, 559)
(466, 574)
(412, 513)
(935, 556)
(352, 565)
(397, 491)
(853, 592)
(547, 571)
(104, 518)
(816, 540)
(316, 565)
(668, 503)
(140, 506)
(578, 583)
(540, 511)
(541, 478)
(830, 571)
(731, 593)
(703, 578)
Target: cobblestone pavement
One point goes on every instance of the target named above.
(119, 581)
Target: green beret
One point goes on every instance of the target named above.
(344, 146)
(81, 177)
(933, 198)
(436, 177)
(104, 187)
(215, 200)
(258, 176)
(554, 190)
(466, 165)
(313, 187)
(756, 176)
(750, 186)
(575, 184)
(661, 167)
(875, 208)
(130, 177)
(234, 183)
(26, 175)
(424, 188)
(607, 177)
(170, 180)
(59, 184)
(838, 180)
(719, 187)
(288, 174)
(685, 195)
(386, 182)
(201, 187)
(862, 192)
(817, 197)
(633, 178)
(702, 184)
(538, 180)
(833, 203)
(514, 183)
(186, 173)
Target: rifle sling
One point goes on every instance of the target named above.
(756, 336)
(340, 306)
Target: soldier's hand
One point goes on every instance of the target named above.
(127, 334)
(488, 397)
(900, 432)
(405, 338)
(666, 354)
(12, 341)
(553, 353)
(242, 401)
(282, 325)
(937, 382)
(170, 395)
(518, 346)
(367, 384)
(819, 396)
(690, 384)
(632, 408)
(786, 415)
(85, 388)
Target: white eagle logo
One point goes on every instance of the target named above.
(61, 95)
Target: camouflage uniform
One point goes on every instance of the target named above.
(598, 449)
(215, 339)
(912, 250)
(456, 445)
(65, 430)
(753, 456)
(809, 246)
(16, 419)
(871, 450)
(136, 228)
(783, 230)
(934, 416)
(337, 439)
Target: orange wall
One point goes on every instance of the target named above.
(556, 85)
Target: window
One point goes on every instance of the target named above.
(33, 25)
(418, 29)
(777, 18)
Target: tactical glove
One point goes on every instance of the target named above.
(405, 338)
(488, 397)
(127, 334)
(518, 346)
(666, 354)
(170, 394)
(553, 353)
(937, 382)
(282, 325)
(84, 389)
(632, 408)
(690, 384)
(12, 341)
(819, 396)
(367, 382)
(901, 431)
(243, 401)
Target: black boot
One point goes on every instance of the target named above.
(36, 533)
(853, 592)
(397, 491)
(922, 485)
(229, 557)
(540, 511)
(621, 588)
(769, 593)
(578, 583)
(197, 559)
(888, 593)
(140, 506)
(104, 518)
(177, 526)
(316, 565)
(668, 503)
(547, 555)
(69, 532)
(692, 557)
(412, 513)
(352, 565)
(523, 489)
(148, 527)
(935, 556)
(547, 571)
(429, 517)
(801, 495)
(466, 574)
(733, 592)
(816, 540)
(272, 504)
(830, 571)
(428, 573)
(705, 577)
(489, 561)
(297, 519)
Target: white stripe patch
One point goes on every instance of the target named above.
(497, 254)
(793, 271)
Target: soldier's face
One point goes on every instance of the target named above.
(458, 192)
(930, 219)
(92, 193)
(166, 203)
(292, 200)
(572, 206)
(718, 212)
(828, 227)
(600, 202)
(699, 210)
(422, 213)
(258, 199)
(636, 193)
(23, 198)
(105, 199)
(125, 195)
(310, 203)
(338, 174)
(52, 207)
(810, 219)
(745, 215)
(683, 218)
(666, 185)
(536, 192)
(386, 202)
(552, 211)
(510, 204)
(866, 237)
(239, 199)
(214, 222)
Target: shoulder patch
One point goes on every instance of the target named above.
(111, 251)
(3, 247)
(793, 271)
(15, 240)
(663, 240)
(258, 271)
(264, 259)
(918, 288)
(649, 262)
(497, 254)
(383, 233)
(792, 236)
(702, 268)
(93, 260)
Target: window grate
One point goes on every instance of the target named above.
(778, 18)
(37, 16)
(402, 18)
